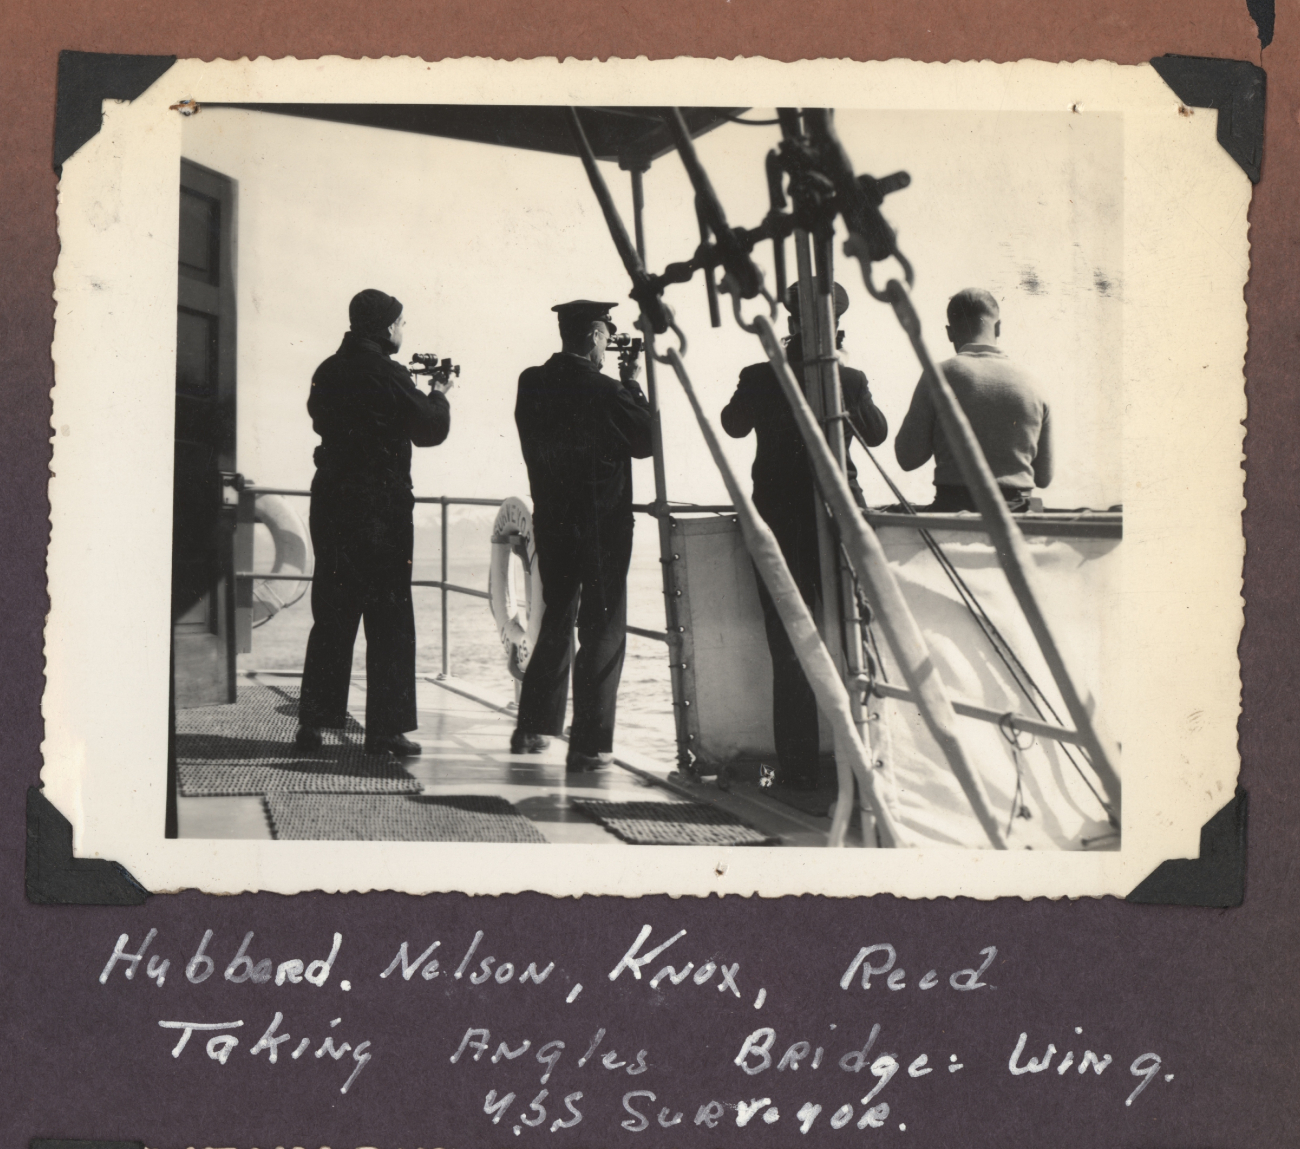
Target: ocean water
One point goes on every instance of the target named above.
(645, 696)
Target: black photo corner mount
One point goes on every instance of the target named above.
(1263, 13)
(56, 878)
(1236, 89)
(1216, 878)
(59, 1143)
(88, 78)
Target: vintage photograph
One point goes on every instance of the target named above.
(681, 475)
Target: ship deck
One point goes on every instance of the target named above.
(464, 730)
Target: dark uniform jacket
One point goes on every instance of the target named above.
(368, 412)
(783, 478)
(579, 431)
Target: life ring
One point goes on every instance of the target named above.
(293, 555)
(519, 623)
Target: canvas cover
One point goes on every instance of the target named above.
(1045, 799)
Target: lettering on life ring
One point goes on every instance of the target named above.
(293, 555)
(518, 618)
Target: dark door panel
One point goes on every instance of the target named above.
(202, 588)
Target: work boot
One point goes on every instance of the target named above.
(308, 738)
(522, 742)
(397, 744)
(578, 763)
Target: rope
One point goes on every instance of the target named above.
(1007, 725)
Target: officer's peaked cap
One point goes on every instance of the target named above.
(578, 311)
(792, 300)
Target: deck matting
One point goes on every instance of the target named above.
(247, 749)
(397, 818)
(672, 823)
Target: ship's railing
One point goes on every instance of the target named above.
(245, 576)
(1056, 524)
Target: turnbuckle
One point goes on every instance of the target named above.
(647, 326)
(732, 288)
(857, 247)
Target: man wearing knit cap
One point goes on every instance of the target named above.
(368, 413)
(579, 431)
(785, 495)
(1009, 417)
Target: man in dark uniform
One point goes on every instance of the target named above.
(368, 413)
(785, 495)
(579, 431)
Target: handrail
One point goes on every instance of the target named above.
(684, 509)
(651, 509)
(1101, 526)
(658, 635)
(445, 500)
(983, 713)
(1054, 524)
(251, 491)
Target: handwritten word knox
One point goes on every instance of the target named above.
(634, 962)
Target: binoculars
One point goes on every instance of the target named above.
(628, 348)
(439, 371)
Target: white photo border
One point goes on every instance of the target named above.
(1186, 261)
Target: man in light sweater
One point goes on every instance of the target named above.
(1006, 412)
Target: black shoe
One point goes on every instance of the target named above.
(576, 763)
(397, 744)
(803, 785)
(308, 738)
(524, 743)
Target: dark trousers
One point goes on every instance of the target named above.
(584, 579)
(949, 497)
(363, 543)
(794, 705)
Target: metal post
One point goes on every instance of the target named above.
(710, 286)
(809, 322)
(638, 210)
(832, 422)
(822, 387)
(242, 560)
(667, 559)
(446, 653)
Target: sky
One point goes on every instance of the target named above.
(478, 242)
